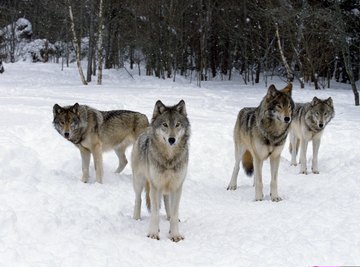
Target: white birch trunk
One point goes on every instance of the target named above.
(283, 58)
(76, 45)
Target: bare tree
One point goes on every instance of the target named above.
(100, 42)
(76, 44)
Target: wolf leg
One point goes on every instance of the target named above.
(120, 152)
(167, 206)
(316, 146)
(293, 140)
(85, 160)
(239, 151)
(303, 144)
(174, 218)
(138, 184)
(98, 161)
(258, 179)
(274, 166)
(155, 195)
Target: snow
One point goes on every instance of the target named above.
(48, 217)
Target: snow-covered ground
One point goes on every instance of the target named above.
(48, 217)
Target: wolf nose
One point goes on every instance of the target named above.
(66, 135)
(321, 125)
(287, 119)
(171, 140)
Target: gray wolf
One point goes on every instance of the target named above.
(93, 131)
(309, 122)
(260, 133)
(159, 163)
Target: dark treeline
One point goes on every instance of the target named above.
(306, 40)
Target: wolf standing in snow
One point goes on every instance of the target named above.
(94, 131)
(309, 122)
(159, 162)
(260, 133)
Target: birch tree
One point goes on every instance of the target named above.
(76, 44)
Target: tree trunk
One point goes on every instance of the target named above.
(91, 42)
(100, 43)
(76, 45)
(349, 71)
(283, 58)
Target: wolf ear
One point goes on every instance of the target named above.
(315, 101)
(158, 109)
(56, 109)
(329, 101)
(75, 108)
(288, 89)
(272, 91)
(180, 107)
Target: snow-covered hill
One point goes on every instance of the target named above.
(48, 217)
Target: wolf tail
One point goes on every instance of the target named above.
(247, 162)
(297, 146)
(147, 191)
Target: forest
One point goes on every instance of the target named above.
(303, 40)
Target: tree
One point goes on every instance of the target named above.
(76, 44)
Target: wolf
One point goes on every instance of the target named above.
(93, 131)
(309, 122)
(260, 133)
(159, 162)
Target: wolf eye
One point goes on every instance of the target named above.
(325, 113)
(177, 124)
(165, 125)
(61, 123)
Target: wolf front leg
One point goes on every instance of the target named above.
(138, 184)
(85, 163)
(98, 162)
(239, 152)
(258, 178)
(316, 146)
(303, 144)
(174, 217)
(155, 196)
(293, 141)
(274, 166)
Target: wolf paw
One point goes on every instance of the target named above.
(231, 187)
(303, 172)
(176, 238)
(315, 171)
(276, 199)
(293, 164)
(154, 236)
(84, 179)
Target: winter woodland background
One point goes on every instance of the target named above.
(305, 40)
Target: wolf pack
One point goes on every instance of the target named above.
(160, 152)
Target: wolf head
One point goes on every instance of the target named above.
(67, 120)
(279, 104)
(170, 123)
(321, 112)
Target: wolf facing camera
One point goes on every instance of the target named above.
(93, 131)
(159, 163)
(309, 122)
(260, 133)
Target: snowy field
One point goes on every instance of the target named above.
(48, 217)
